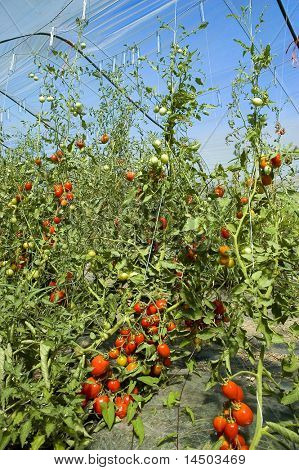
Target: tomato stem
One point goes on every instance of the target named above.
(259, 397)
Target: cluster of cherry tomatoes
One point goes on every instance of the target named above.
(109, 373)
(267, 166)
(101, 387)
(235, 414)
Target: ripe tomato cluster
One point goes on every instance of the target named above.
(225, 259)
(235, 414)
(267, 166)
(111, 373)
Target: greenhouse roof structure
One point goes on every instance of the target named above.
(118, 32)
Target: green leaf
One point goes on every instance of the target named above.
(191, 224)
(50, 427)
(190, 413)
(148, 380)
(138, 429)
(172, 399)
(37, 441)
(169, 437)
(44, 355)
(255, 276)
(291, 397)
(285, 432)
(131, 411)
(25, 431)
(108, 412)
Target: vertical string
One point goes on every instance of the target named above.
(175, 21)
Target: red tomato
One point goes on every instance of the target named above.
(219, 307)
(100, 365)
(163, 350)
(243, 414)
(230, 390)
(266, 180)
(52, 229)
(38, 162)
(231, 431)
(113, 353)
(225, 233)
(113, 385)
(163, 222)
(46, 223)
(127, 399)
(167, 362)
(130, 347)
(104, 139)
(58, 190)
(219, 423)
(155, 320)
(139, 338)
(244, 200)
(153, 330)
(97, 404)
(219, 191)
(145, 322)
(135, 390)
(80, 144)
(151, 309)
(124, 331)
(276, 161)
(130, 175)
(91, 388)
(54, 158)
(239, 441)
(156, 370)
(68, 186)
(245, 447)
(138, 308)
(28, 186)
(121, 411)
(120, 341)
(69, 196)
(161, 304)
(171, 326)
(52, 283)
(59, 153)
(57, 220)
(239, 215)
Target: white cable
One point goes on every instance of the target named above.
(84, 9)
(202, 12)
(12, 63)
(52, 36)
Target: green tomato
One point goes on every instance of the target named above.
(123, 276)
(106, 167)
(164, 158)
(13, 220)
(42, 99)
(106, 326)
(154, 161)
(35, 274)
(91, 254)
(157, 143)
(247, 250)
(13, 202)
(257, 101)
(162, 111)
(83, 45)
(156, 109)
(25, 245)
(268, 170)
(78, 105)
(9, 272)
